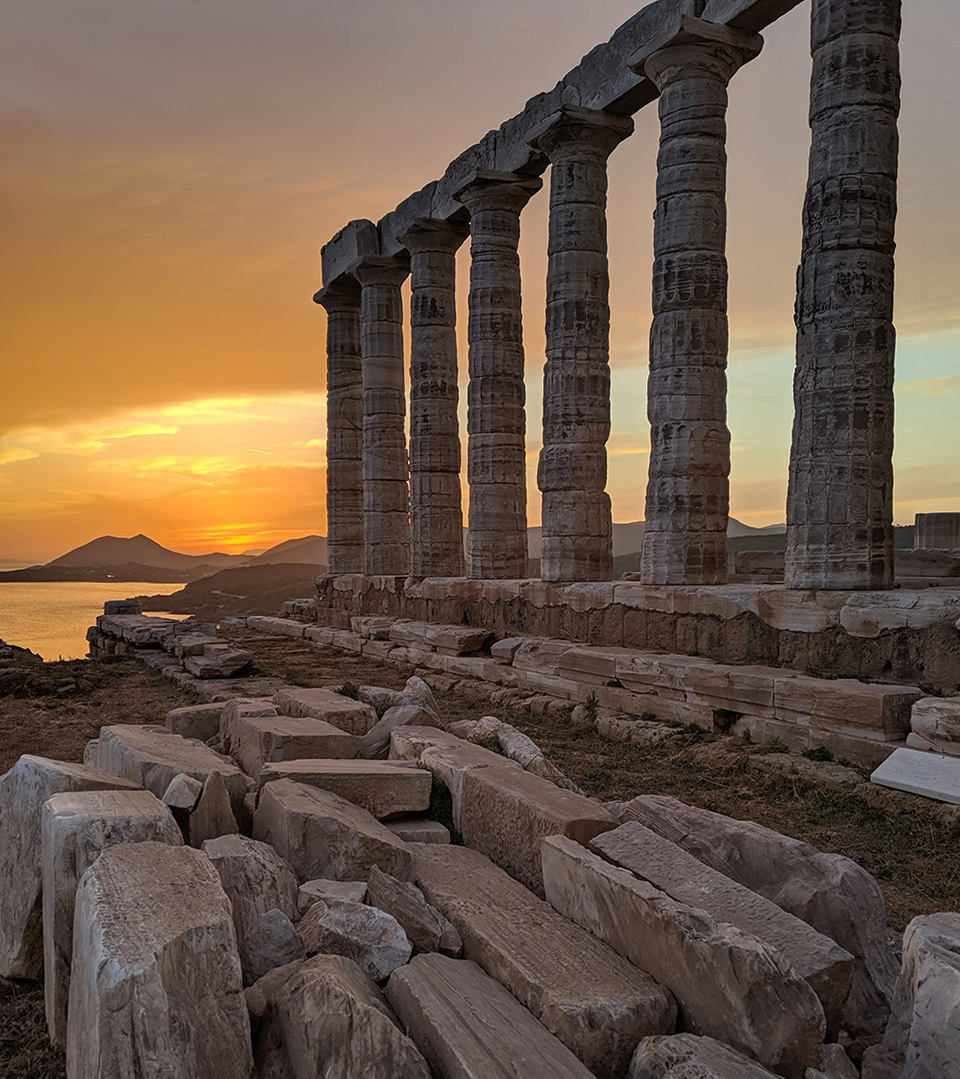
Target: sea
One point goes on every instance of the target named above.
(51, 617)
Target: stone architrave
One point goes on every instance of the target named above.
(840, 494)
(344, 426)
(386, 495)
(436, 517)
(572, 475)
(688, 489)
(496, 422)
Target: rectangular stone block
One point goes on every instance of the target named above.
(217, 661)
(23, 790)
(381, 788)
(324, 836)
(348, 642)
(322, 636)
(918, 772)
(598, 1004)
(665, 675)
(450, 763)
(155, 989)
(326, 704)
(258, 740)
(586, 663)
(469, 1027)
(372, 627)
(76, 829)
(461, 640)
(728, 984)
(846, 705)
(827, 968)
(507, 812)
(419, 830)
(201, 721)
(542, 656)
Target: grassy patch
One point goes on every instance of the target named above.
(25, 1050)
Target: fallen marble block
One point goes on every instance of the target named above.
(323, 835)
(200, 721)
(923, 1035)
(273, 941)
(330, 891)
(426, 928)
(728, 984)
(375, 744)
(418, 830)
(23, 790)
(825, 966)
(218, 661)
(256, 741)
(241, 708)
(379, 787)
(936, 720)
(345, 713)
(155, 988)
(506, 812)
(76, 828)
(325, 1017)
(828, 891)
(596, 1002)
(467, 1025)
(152, 756)
(685, 1056)
(373, 939)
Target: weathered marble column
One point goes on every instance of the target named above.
(344, 427)
(840, 498)
(496, 424)
(688, 493)
(386, 500)
(436, 516)
(577, 524)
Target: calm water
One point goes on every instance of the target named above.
(51, 617)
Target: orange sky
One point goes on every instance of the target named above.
(170, 171)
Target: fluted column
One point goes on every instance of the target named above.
(496, 425)
(840, 498)
(436, 517)
(386, 501)
(572, 474)
(344, 427)
(688, 493)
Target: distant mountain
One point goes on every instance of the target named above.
(308, 550)
(141, 550)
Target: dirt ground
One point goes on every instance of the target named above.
(906, 844)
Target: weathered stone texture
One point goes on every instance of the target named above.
(381, 788)
(258, 740)
(372, 938)
(344, 713)
(685, 1056)
(936, 532)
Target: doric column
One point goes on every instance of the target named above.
(840, 498)
(688, 494)
(344, 427)
(496, 426)
(386, 501)
(577, 524)
(436, 517)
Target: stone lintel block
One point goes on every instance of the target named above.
(505, 813)
(348, 715)
(592, 999)
(381, 788)
(324, 836)
(728, 984)
(256, 741)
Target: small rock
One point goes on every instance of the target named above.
(213, 816)
(371, 937)
(183, 792)
(328, 891)
(427, 929)
(272, 942)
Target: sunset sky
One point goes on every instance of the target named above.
(171, 169)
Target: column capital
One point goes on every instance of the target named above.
(695, 48)
(343, 294)
(380, 270)
(572, 127)
(488, 189)
(429, 234)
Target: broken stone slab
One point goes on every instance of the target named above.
(408, 743)
(685, 1056)
(923, 1035)
(239, 708)
(155, 988)
(728, 984)
(346, 714)
(461, 640)
(596, 1002)
(372, 627)
(152, 756)
(218, 662)
(256, 741)
(380, 787)
(827, 968)
(937, 721)
(426, 928)
(23, 790)
(330, 891)
(324, 836)
(372, 938)
(467, 1025)
(505, 813)
(379, 698)
(76, 828)
(419, 830)
(416, 691)
(375, 744)
(182, 793)
(847, 705)
(542, 656)
(273, 941)
(324, 1016)
(918, 772)
(828, 891)
(200, 721)
(190, 644)
(504, 650)
(213, 815)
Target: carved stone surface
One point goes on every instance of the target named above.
(496, 424)
(577, 523)
(688, 493)
(344, 427)
(436, 518)
(386, 500)
(840, 496)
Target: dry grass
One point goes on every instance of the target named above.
(25, 1050)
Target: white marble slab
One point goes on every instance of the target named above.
(928, 774)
